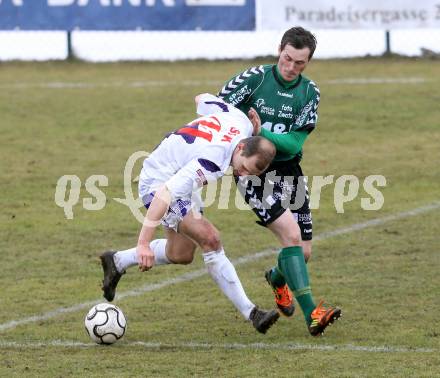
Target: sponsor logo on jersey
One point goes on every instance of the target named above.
(267, 110)
(201, 180)
(259, 102)
(285, 112)
(289, 95)
(239, 96)
(284, 115)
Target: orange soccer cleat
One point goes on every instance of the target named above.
(322, 316)
(283, 297)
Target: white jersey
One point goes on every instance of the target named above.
(193, 155)
(200, 151)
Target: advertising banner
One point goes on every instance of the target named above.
(348, 14)
(151, 15)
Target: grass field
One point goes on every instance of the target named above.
(377, 116)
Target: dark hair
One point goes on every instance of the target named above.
(262, 147)
(299, 38)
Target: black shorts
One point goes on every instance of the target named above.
(281, 187)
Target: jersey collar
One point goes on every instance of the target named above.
(286, 84)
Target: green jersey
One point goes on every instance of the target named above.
(288, 110)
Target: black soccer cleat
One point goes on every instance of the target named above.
(111, 275)
(263, 320)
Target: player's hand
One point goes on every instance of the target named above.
(255, 120)
(145, 257)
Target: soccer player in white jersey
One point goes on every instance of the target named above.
(170, 183)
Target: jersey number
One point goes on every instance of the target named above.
(278, 128)
(193, 128)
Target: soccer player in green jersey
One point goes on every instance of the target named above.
(287, 103)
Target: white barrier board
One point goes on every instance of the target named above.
(348, 14)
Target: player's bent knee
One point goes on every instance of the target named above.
(211, 241)
(295, 239)
(290, 240)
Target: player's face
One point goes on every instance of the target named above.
(292, 62)
(245, 166)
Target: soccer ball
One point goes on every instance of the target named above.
(105, 323)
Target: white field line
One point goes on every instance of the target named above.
(194, 83)
(232, 346)
(201, 272)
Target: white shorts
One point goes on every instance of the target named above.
(178, 208)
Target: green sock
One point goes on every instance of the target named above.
(293, 267)
(276, 277)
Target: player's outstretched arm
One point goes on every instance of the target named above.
(155, 212)
(287, 143)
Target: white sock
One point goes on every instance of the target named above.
(125, 259)
(159, 248)
(128, 258)
(223, 273)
